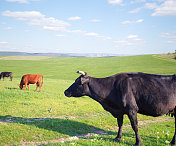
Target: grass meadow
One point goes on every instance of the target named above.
(50, 118)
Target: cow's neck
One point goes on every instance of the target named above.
(99, 88)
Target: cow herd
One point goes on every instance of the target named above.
(120, 94)
(26, 80)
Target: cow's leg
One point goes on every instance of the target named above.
(173, 140)
(37, 86)
(25, 86)
(120, 123)
(11, 78)
(28, 87)
(40, 85)
(134, 123)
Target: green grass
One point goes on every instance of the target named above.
(46, 117)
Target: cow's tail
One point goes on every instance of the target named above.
(173, 112)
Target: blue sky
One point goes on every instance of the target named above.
(88, 26)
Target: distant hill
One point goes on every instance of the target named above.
(2, 53)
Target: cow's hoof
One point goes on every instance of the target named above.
(117, 139)
(138, 144)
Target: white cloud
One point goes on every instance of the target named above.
(132, 36)
(171, 36)
(123, 43)
(131, 40)
(19, 1)
(74, 18)
(4, 42)
(139, 20)
(151, 5)
(132, 22)
(115, 1)
(137, 1)
(160, 7)
(36, 18)
(127, 22)
(77, 31)
(170, 42)
(26, 15)
(60, 35)
(8, 28)
(135, 10)
(91, 34)
(50, 24)
(107, 38)
(95, 20)
(53, 28)
(168, 8)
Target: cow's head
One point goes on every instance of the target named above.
(21, 86)
(79, 87)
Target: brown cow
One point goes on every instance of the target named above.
(31, 79)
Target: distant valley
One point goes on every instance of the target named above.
(3, 53)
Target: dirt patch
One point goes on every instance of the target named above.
(140, 123)
(62, 140)
(15, 120)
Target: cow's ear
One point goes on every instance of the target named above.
(85, 74)
(84, 80)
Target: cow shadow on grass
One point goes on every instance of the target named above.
(9, 88)
(64, 126)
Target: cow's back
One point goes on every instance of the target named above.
(32, 78)
(154, 94)
(6, 74)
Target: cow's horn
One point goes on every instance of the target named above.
(81, 72)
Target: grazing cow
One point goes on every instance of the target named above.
(31, 79)
(129, 93)
(6, 74)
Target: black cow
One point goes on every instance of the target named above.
(129, 93)
(6, 74)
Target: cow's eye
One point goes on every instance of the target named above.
(77, 83)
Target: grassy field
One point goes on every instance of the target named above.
(50, 118)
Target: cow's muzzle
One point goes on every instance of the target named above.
(68, 94)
